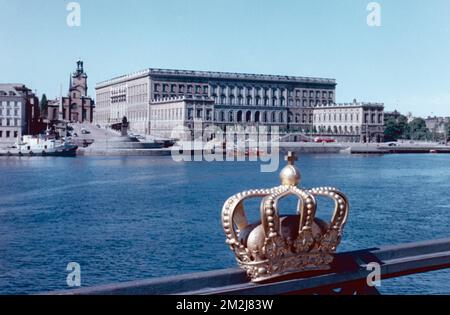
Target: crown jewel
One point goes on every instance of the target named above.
(279, 245)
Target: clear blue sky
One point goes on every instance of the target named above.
(405, 63)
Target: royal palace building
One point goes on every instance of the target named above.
(157, 100)
(350, 122)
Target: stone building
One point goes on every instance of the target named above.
(350, 122)
(437, 125)
(19, 112)
(77, 106)
(168, 114)
(232, 98)
(156, 100)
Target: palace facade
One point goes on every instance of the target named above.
(350, 122)
(156, 100)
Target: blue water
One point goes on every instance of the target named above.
(130, 218)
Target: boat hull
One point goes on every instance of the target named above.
(66, 152)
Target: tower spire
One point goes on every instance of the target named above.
(80, 66)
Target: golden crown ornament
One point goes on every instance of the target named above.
(279, 245)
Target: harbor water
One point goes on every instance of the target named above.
(130, 218)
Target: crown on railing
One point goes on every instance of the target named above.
(283, 244)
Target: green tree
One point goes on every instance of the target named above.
(392, 130)
(418, 129)
(395, 129)
(43, 103)
(404, 127)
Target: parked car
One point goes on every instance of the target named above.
(85, 131)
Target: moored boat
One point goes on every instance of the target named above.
(40, 146)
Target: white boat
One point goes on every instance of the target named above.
(40, 146)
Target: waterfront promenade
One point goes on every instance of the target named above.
(102, 135)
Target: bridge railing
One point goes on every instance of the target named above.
(348, 275)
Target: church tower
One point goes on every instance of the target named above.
(78, 106)
(78, 84)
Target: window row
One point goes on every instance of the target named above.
(270, 92)
(8, 134)
(6, 104)
(9, 112)
(10, 122)
(258, 101)
(251, 117)
(180, 88)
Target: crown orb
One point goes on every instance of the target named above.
(290, 176)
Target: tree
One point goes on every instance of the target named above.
(404, 127)
(418, 129)
(392, 130)
(396, 128)
(43, 104)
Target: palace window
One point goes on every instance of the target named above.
(208, 114)
(239, 116)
